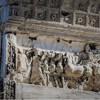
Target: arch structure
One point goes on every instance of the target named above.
(52, 43)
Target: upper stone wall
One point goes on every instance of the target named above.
(84, 13)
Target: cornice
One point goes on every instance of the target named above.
(22, 26)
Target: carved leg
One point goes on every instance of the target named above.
(47, 76)
(56, 81)
(63, 82)
(43, 79)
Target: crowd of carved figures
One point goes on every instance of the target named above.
(56, 69)
(51, 68)
(85, 13)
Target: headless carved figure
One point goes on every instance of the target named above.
(60, 78)
(23, 67)
(52, 69)
(37, 76)
(46, 71)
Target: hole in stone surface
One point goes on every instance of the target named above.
(58, 40)
(9, 32)
(70, 41)
(33, 38)
(14, 33)
(65, 13)
(14, 4)
(92, 46)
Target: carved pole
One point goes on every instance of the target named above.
(9, 87)
(32, 40)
